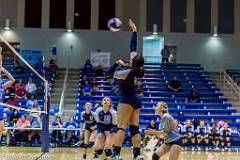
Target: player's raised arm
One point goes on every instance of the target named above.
(133, 42)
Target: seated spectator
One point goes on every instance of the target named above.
(194, 96)
(18, 68)
(57, 134)
(31, 87)
(32, 102)
(13, 100)
(7, 95)
(53, 66)
(19, 85)
(88, 68)
(225, 137)
(21, 92)
(36, 123)
(22, 134)
(87, 89)
(71, 134)
(39, 66)
(14, 117)
(175, 85)
(99, 71)
(214, 135)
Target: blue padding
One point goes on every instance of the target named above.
(181, 94)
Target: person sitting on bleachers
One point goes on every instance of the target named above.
(194, 96)
(225, 137)
(31, 87)
(87, 89)
(13, 100)
(39, 67)
(19, 85)
(214, 135)
(8, 92)
(32, 102)
(14, 117)
(57, 134)
(188, 137)
(22, 134)
(18, 68)
(202, 135)
(36, 123)
(71, 134)
(151, 126)
(175, 85)
(21, 92)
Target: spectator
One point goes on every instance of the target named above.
(88, 68)
(53, 66)
(57, 134)
(39, 66)
(7, 95)
(13, 100)
(32, 103)
(87, 89)
(188, 137)
(99, 71)
(194, 96)
(36, 123)
(165, 54)
(31, 87)
(19, 85)
(71, 134)
(14, 117)
(175, 85)
(151, 126)
(21, 92)
(22, 134)
(18, 69)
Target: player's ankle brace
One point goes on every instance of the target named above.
(108, 152)
(116, 150)
(136, 152)
(99, 152)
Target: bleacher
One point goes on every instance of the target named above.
(213, 106)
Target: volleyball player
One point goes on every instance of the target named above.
(88, 123)
(202, 135)
(169, 131)
(3, 85)
(106, 118)
(129, 105)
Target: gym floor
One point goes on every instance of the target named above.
(33, 153)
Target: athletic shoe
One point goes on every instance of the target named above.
(117, 157)
(139, 158)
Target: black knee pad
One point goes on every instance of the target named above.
(155, 156)
(90, 145)
(85, 146)
(134, 130)
(99, 152)
(108, 152)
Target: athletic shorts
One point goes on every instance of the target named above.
(177, 142)
(89, 129)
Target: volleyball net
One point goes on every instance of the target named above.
(30, 92)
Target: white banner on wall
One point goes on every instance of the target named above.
(100, 58)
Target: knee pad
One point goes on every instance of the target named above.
(108, 152)
(85, 146)
(90, 144)
(121, 129)
(99, 152)
(134, 130)
(155, 156)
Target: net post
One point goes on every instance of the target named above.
(45, 128)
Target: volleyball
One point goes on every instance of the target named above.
(114, 24)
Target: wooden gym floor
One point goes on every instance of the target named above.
(33, 153)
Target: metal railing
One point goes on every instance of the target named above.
(229, 83)
(61, 103)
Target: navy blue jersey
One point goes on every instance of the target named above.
(126, 77)
(225, 133)
(88, 120)
(201, 130)
(105, 120)
(189, 129)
